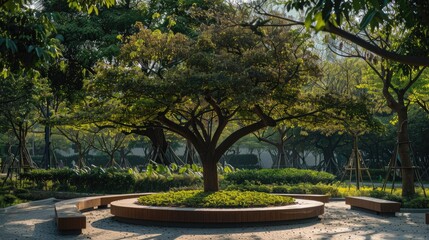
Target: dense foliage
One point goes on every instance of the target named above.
(280, 176)
(220, 199)
(110, 180)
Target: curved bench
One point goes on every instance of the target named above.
(68, 214)
(70, 220)
(128, 211)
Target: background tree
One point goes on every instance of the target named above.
(277, 137)
(351, 110)
(110, 142)
(395, 81)
(82, 140)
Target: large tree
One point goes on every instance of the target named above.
(91, 38)
(198, 88)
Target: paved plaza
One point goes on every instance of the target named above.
(35, 221)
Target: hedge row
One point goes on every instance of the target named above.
(280, 176)
(112, 180)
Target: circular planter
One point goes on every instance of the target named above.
(128, 210)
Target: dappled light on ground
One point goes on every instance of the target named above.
(338, 222)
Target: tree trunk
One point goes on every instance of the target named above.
(210, 176)
(80, 160)
(159, 145)
(282, 156)
(329, 164)
(295, 159)
(404, 154)
(111, 162)
(47, 151)
(190, 153)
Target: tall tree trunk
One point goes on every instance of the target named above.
(47, 151)
(190, 153)
(295, 159)
(111, 162)
(80, 160)
(282, 156)
(329, 163)
(404, 153)
(22, 146)
(210, 176)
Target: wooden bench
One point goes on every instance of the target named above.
(315, 197)
(427, 218)
(68, 218)
(380, 206)
(68, 215)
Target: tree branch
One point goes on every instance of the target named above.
(330, 28)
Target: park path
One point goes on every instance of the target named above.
(35, 221)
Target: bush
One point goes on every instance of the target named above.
(221, 199)
(22, 193)
(101, 180)
(113, 180)
(9, 198)
(156, 183)
(385, 195)
(418, 202)
(60, 177)
(38, 176)
(280, 176)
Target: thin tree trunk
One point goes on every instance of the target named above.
(282, 156)
(404, 153)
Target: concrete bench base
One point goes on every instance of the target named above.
(379, 206)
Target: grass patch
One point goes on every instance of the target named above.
(221, 199)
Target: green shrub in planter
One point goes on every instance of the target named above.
(220, 199)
